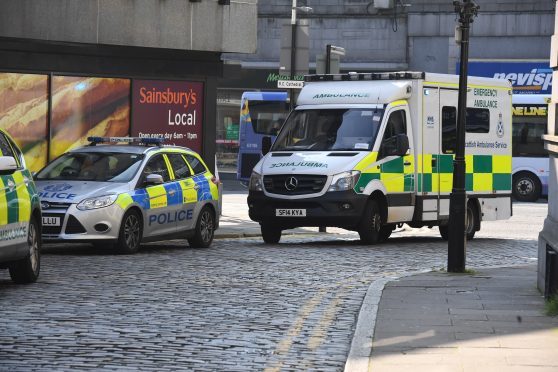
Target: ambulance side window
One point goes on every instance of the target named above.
(397, 124)
(156, 165)
(179, 166)
(449, 123)
(5, 148)
(196, 165)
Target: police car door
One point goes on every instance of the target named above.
(15, 205)
(188, 193)
(159, 216)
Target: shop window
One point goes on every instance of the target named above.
(87, 106)
(24, 114)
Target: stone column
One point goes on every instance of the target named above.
(547, 278)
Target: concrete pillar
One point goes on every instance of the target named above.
(547, 278)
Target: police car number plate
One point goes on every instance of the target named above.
(51, 221)
(290, 212)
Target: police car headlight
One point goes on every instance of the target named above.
(344, 181)
(256, 183)
(95, 203)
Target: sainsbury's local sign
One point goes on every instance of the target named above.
(526, 77)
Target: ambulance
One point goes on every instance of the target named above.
(368, 151)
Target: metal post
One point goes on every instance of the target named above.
(456, 230)
(293, 54)
(328, 59)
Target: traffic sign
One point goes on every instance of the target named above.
(290, 84)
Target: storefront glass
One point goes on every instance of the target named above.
(228, 115)
(24, 114)
(87, 106)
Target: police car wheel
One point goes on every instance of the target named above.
(205, 229)
(371, 225)
(27, 269)
(526, 187)
(270, 234)
(130, 234)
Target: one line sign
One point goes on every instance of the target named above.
(290, 84)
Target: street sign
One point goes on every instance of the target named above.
(290, 84)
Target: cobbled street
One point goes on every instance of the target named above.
(237, 306)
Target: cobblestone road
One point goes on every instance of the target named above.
(238, 306)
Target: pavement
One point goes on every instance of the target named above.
(491, 319)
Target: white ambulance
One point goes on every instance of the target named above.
(366, 152)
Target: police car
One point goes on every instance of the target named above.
(20, 215)
(125, 194)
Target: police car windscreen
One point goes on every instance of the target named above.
(93, 166)
(330, 129)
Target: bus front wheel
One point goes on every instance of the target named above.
(526, 187)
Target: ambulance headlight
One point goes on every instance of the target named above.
(95, 203)
(256, 183)
(344, 181)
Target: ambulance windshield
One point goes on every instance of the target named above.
(352, 129)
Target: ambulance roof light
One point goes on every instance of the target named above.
(130, 140)
(399, 75)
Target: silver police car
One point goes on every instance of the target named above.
(125, 194)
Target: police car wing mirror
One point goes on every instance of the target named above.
(402, 145)
(8, 165)
(266, 144)
(154, 179)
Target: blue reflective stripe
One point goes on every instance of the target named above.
(176, 198)
(142, 198)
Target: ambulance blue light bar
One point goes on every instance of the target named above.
(353, 76)
(131, 140)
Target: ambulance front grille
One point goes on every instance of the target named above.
(294, 184)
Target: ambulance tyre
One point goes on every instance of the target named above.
(385, 232)
(130, 234)
(370, 229)
(205, 229)
(27, 270)
(470, 223)
(526, 187)
(270, 233)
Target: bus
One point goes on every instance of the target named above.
(530, 160)
(261, 114)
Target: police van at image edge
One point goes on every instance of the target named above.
(20, 215)
(401, 171)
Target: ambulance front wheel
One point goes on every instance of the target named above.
(370, 229)
(27, 270)
(130, 234)
(270, 234)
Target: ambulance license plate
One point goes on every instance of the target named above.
(290, 212)
(51, 221)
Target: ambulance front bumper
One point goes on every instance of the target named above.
(333, 209)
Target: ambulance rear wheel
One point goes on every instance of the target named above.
(385, 232)
(27, 270)
(130, 234)
(470, 224)
(270, 234)
(371, 225)
(205, 229)
(526, 187)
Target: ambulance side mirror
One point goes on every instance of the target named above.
(8, 165)
(402, 145)
(266, 145)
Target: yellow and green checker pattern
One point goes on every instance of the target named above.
(484, 173)
(16, 206)
(395, 175)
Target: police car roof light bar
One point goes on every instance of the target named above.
(130, 140)
(399, 75)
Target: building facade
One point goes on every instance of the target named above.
(73, 69)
